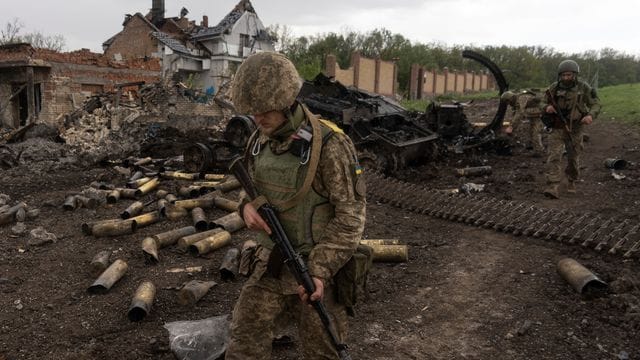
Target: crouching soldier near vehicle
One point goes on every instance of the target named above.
(319, 196)
(529, 114)
(570, 104)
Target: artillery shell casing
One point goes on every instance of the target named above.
(161, 193)
(193, 291)
(88, 226)
(136, 175)
(180, 175)
(199, 219)
(214, 177)
(189, 191)
(142, 162)
(86, 202)
(109, 277)
(138, 182)
(147, 187)
(380, 242)
(229, 185)
(150, 250)
(210, 243)
(231, 222)
(161, 206)
(578, 276)
(173, 212)
(246, 257)
(194, 203)
(100, 185)
(114, 228)
(171, 198)
(128, 193)
(100, 262)
(171, 237)
(225, 204)
(390, 253)
(474, 171)
(207, 184)
(147, 219)
(142, 301)
(70, 203)
(113, 196)
(185, 241)
(229, 266)
(132, 210)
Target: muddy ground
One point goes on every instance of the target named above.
(465, 293)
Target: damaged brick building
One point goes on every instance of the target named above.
(38, 85)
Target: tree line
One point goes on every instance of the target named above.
(11, 34)
(523, 66)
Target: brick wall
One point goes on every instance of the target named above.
(428, 83)
(373, 75)
(133, 41)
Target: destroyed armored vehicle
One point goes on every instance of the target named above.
(387, 136)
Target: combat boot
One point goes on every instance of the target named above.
(551, 191)
(571, 187)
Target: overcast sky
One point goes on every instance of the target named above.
(567, 26)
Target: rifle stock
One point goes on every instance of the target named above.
(293, 260)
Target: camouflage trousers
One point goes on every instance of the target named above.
(259, 312)
(559, 142)
(534, 132)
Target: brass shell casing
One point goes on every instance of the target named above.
(147, 187)
(231, 222)
(70, 203)
(150, 250)
(100, 262)
(214, 177)
(390, 253)
(113, 196)
(128, 194)
(194, 203)
(180, 175)
(193, 291)
(132, 210)
(109, 277)
(142, 301)
(380, 242)
(185, 241)
(210, 243)
(171, 237)
(134, 184)
(114, 228)
(199, 219)
(578, 276)
(229, 185)
(147, 219)
(225, 204)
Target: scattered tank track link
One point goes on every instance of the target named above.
(612, 235)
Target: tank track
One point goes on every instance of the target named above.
(614, 235)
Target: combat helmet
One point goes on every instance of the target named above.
(509, 97)
(265, 81)
(568, 66)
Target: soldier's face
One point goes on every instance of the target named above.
(269, 121)
(567, 77)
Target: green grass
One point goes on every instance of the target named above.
(621, 103)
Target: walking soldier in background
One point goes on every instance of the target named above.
(526, 109)
(570, 104)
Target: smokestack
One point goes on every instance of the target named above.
(157, 11)
(205, 21)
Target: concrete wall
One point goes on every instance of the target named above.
(373, 75)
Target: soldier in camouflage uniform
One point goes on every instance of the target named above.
(529, 113)
(579, 104)
(325, 223)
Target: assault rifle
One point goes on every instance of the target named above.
(554, 118)
(293, 260)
